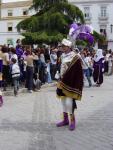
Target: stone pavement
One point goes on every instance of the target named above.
(27, 122)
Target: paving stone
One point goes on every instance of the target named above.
(27, 122)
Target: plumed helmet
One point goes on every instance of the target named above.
(66, 42)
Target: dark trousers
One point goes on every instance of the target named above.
(42, 73)
(29, 77)
(6, 76)
(53, 71)
(15, 84)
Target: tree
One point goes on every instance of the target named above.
(98, 37)
(51, 22)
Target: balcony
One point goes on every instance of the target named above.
(103, 17)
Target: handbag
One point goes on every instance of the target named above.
(57, 75)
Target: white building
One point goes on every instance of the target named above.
(99, 14)
(10, 15)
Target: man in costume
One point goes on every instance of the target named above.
(69, 88)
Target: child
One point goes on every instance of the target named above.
(15, 72)
(36, 82)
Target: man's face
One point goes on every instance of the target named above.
(65, 48)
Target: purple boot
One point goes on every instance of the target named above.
(72, 123)
(64, 122)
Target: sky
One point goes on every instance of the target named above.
(11, 0)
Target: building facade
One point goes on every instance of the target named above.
(10, 15)
(98, 14)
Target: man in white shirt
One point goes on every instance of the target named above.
(53, 58)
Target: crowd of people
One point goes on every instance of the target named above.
(33, 67)
(28, 66)
(96, 64)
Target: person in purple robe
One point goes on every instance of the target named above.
(98, 67)
(1, 98)
(19, 51)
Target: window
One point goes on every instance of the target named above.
(10, 13)
(25, 12)
(10, 27)
(103, 30)
(103, 11)
(87, 12)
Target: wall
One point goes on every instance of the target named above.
(15, 19)
(95, 6)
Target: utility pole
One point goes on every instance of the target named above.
(111, 28)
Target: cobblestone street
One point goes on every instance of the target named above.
(27, 122)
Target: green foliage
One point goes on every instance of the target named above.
(41, 4)
(81, 43)
(51, 21)
(42, 37)
(98, 37)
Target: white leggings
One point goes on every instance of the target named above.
(67, 105)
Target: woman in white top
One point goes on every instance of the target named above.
(29, 70)
(86, 64)
(13, 54)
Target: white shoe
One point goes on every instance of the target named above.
(30, 91)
